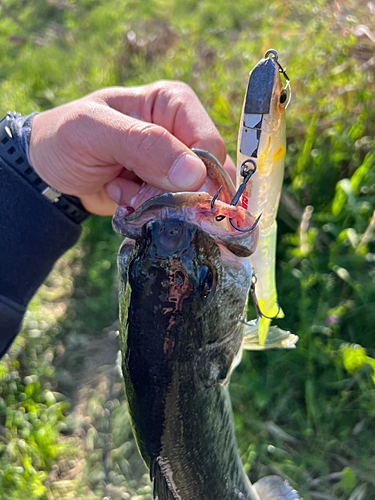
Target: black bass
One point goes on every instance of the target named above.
(184, 282)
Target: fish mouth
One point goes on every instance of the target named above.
(197, 209)
(232, 226)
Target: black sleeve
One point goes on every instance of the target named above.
(33, 235)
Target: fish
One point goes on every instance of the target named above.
(261, 150)
(185, 275)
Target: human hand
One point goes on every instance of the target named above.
(102, 147)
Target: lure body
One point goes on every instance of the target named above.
(261, 146)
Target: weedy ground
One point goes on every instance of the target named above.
(307, 415)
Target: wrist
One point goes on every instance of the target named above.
(40, 132)
(14, 139)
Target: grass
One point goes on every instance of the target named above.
(307, 415)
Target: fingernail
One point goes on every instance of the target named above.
(114, 192)
(188, 172)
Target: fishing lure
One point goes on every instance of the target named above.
(261, 153)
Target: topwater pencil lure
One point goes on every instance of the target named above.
(260, 172)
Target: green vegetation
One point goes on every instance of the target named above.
(307, 415)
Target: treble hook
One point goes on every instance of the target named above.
(246, 174)
(254, 280)
(245, 230)
(215, 197)
(219, 218)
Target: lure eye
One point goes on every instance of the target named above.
(206, 281)
(283, 97)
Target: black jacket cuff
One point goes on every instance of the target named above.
(33, 235)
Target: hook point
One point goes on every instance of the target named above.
(245, 230)
(215, 197)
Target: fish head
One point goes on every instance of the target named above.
(184, 283)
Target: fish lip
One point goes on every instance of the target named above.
(195, 208)
(125, 215)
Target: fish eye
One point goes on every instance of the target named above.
(206, 280)
(283, 96)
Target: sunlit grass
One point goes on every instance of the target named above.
(307, 415)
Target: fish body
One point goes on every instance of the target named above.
(183, 296)
(184, 283)
(262, 146)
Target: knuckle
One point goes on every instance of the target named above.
(102, 95)
(181, 86)
(176, 87)
(109, 96)
(185, 89)
(147, 138)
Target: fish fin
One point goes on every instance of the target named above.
(276, 338)
(162, 490)
(119, 363)
(274, 488)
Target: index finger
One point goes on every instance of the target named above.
(172, 105)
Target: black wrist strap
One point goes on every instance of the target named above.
(16, 158)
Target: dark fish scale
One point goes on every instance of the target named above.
(175, 358)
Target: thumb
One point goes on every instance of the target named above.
(151, 152)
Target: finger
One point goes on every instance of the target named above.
(122, 191)
(177, 108)
(172, 105)
(230, 168)
(99, 203)
(150, 151)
